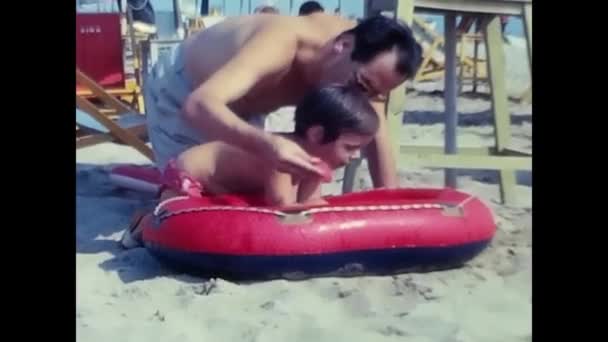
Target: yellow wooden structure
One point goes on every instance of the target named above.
(501, 157)
(432, 67)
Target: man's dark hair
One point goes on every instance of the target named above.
(310, 7)
(338, 109)
(378, 34)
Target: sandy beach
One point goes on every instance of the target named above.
(128, 296)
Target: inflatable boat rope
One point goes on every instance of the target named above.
(162, 215)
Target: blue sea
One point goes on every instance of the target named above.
(166, 26)
(514, 27)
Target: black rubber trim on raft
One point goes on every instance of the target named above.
(369, 262)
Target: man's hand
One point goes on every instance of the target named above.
(287, 156)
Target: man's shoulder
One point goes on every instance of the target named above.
(284, 25)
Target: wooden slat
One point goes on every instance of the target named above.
(464, 161)
(117, 131)
(433, 75)
(122, 92)
(99, 92)
(427, 57)
(502, 117)
(478, 151)
(527, 95)
(94, 139)
(134, 49)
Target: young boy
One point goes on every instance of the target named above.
(332, 123)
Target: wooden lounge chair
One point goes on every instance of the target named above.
(113, 122)
(432, 66)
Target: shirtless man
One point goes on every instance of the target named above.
(248, 66)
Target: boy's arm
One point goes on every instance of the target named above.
(309, 192)
(279, 190)
(379, 153)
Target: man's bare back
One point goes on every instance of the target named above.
(209, 50)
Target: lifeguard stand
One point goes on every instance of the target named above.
(501, 157)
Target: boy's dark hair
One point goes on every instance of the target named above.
(310, 7)
(378, 34)
(338, 109)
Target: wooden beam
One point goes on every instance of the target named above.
(527, 95)
(427, 57)
(502, 116)
(432, 75)
(527, 12)
(450, 95)
(129, 90)
(463, 161)
(99, 92)
(120, 133)
(478, 151)
(93, 139)
(134, 49)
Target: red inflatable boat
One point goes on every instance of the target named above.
(373, 232)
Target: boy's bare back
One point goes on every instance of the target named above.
(223, 168)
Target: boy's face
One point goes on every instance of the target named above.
(341, 151)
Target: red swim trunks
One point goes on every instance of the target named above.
(178, 180)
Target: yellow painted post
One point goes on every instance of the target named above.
(527, 13)
(396, 100)
(528, 27)
(502, 117)
(118, 132)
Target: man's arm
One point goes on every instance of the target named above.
(379, 153)
(265, 55)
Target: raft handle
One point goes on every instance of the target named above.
(295, 218)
